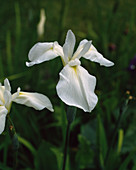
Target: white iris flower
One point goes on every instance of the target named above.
(35, 100)
(76, 86)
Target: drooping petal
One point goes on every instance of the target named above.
(82, 49)
(3, 113)
(95, 56)
(69, 45)
(76, 88)
(36, 100)
(41, 52)
(7, 85)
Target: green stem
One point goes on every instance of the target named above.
(15, 142)
(71, 113)
(66, 145)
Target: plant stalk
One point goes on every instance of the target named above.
(15, 142)
(66, 145)
(71, 113)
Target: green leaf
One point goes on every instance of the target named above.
(3, 167)
(102, 141)
(84, 156)
(124, 165)
(46, 158)
(9, 53)
(120, 140)
(27, 144)
(15, 76)
(59, 156)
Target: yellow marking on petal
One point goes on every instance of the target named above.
(21, 93)
(62, 61)
(75, 69)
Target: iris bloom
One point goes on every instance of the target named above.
(76, 86)
(35, 100)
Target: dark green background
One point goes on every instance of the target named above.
(111, 25)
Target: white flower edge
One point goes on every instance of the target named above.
(3, 114)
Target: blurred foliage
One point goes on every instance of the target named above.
(104, 139)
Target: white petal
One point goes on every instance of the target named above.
(41, 52)
(15, 95)
(7, 99)
(2, 89)
(3, 113)
(36, 100)
(84, 41)
(1, 103)
(75, 62)
(94, 55)
(59, 51)
(69, 45)
(7, 85)
(76, 88)
(82, 49)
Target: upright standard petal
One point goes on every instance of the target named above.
(59, 51)
(69, 45)
(3, 113)
(7, 85)
(41, 52)
(2, 89)
(81, 50)
(76, 88)
(7, 99)
(36, 100)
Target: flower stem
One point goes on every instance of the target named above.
(15, 142)
(66, 145)
(71, 113)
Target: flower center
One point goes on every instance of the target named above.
(74, 63)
